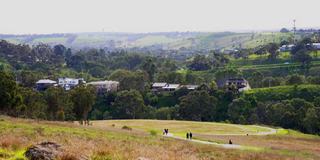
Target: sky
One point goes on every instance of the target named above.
(70, 16)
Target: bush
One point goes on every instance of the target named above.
(164, 113)
(295, 79)
(153, 133)
(127, 128)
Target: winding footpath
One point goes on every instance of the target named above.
(227, 146)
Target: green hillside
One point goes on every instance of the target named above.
(169, 40)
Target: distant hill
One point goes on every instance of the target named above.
(167, 40)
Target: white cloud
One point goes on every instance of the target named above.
(52, 16)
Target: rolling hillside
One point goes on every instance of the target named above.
(169, 40)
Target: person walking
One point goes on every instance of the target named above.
(230, 142)
(187, 135)
(190, 135)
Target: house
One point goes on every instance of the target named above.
(69, 83)
(190, 86)
(157, 87)
(286, 48)
(163, 86)
(105, 86)
(240, 83)
(316, 46)
(171, 87)
(44, 84)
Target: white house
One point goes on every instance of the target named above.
(69, 83)
(286, 48)
(44, 84)
(191, 87)
(240, 83)
(171, 87)
(316, 46)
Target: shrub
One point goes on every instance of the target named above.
(127, 128)
(153, 132)
(295, 79)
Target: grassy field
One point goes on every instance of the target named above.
(108, 143)
(180, 128)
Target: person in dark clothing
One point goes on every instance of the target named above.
(187, 135)
(190, 135)
(230, 142)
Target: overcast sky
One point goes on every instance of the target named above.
(61, 16)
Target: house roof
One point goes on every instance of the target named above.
(162, 84)
(102, 82)
(46, 81)
(172, 86)
(191, 86)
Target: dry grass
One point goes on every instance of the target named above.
(181, 127)
(287, 143)
(115, 143)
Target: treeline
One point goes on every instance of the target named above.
(295, 107)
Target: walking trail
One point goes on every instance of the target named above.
(228, 146)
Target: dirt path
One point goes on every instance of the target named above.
(228, 146)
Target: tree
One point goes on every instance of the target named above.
(59, 50)
(165, 113)
(28, 78)
(199, 63)
(272, 48)
(270, 82)
(59, 104)
(149, 66)
(303, 56)
(42, 53)
(170, 77)
(198, 106)
(311, 122)
(83, 99)
(130, 80)
(295, 79)
(129, 105)
(9, 96)
(284, 30)
(239, 107)
(34, 105)
(255, 79)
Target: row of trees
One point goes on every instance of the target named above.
(294, 79)
(53, 104)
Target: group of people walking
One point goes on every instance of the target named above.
(189, 135)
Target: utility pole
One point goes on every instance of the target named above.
(294, 31)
